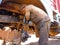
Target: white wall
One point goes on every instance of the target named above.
(47, 5)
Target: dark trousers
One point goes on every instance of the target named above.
(43, 27)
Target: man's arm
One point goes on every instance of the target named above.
(27, 14)
(27, 11)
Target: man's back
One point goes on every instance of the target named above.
(37, 13)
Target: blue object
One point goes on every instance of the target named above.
(0, 1)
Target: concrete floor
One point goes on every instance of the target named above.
(51, 42)
(33, 41)
(54, 42)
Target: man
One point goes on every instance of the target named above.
(41, 19)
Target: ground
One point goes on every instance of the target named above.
(33, 40)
